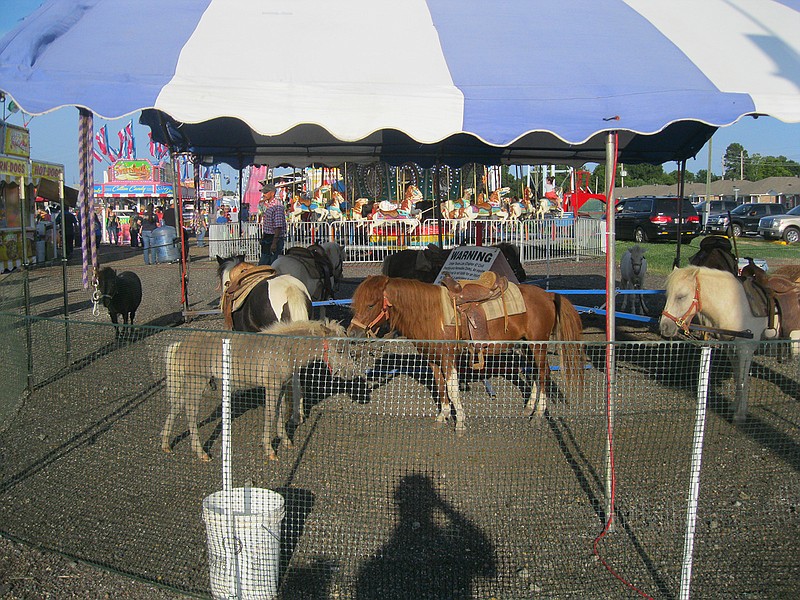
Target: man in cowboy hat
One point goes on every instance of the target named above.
(273, 225)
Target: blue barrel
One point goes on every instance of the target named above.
(166, 244)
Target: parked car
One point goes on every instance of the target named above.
(716, 208)
(781, 226)
(744, 219)
(652, 218)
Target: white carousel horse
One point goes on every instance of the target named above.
(333, 211)
(491, 209)
(401, 214)
(305, 208)
(521, 208)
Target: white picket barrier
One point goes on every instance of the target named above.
(371, 241)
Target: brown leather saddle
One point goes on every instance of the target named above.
(772, 297)
(469, 299)
(243, 278)
(316, 260)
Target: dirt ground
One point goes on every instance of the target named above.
(371, 498)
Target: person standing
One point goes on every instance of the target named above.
(273, 225)
(135, 225)
(149, 221)
(112, 225)
(202, 227)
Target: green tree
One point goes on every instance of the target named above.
(700, 176)
(735, 156)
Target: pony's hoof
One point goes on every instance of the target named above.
(272, 456)
(205, 458)
(461, 431)
(166, 449)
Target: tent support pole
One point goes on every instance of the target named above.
(611, 160)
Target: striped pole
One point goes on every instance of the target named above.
(85, 190)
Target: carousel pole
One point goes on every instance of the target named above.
(681, 178)
(436, 205)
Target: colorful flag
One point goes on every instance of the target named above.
(130, 147)
(101, 140)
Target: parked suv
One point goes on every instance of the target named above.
(717, 208)
(782, 226)
(651, 218)
(744, 219)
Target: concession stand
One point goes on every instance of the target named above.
(16, 202)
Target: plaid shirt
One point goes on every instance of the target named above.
(274, 217)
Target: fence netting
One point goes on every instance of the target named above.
(380, 499)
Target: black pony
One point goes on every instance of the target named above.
(120, 294)
(424, 265)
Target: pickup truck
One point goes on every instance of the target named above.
(744, 219)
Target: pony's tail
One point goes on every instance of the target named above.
(174, 386)
(298, 305)
(569, 328)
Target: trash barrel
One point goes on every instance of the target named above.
(243, 531)
(166, 244)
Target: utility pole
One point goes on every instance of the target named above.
(741, 165)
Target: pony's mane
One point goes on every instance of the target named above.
(417, 306)
(322, 328)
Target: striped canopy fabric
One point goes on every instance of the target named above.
(509, 81)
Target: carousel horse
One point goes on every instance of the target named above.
(521, 208)
(492, 208)
(422, 311)
(333, 211)
(402, 214)
(456, 210)
(357, 213)
(307, 207)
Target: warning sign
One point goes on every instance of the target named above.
(468, 262)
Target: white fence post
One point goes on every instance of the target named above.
(694, 472)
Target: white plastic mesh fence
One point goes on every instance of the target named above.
(379, 498)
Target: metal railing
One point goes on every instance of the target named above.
(371, 241)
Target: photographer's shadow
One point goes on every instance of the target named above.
(434, 552)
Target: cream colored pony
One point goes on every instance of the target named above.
(270, 359)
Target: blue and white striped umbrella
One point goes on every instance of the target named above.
(506, 81)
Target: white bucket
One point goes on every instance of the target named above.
(243, 529)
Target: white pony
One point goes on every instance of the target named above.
(633, 267)
(717, 299)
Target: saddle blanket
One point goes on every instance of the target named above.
(510, 303)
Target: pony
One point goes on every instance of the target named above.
(418, 311)
(120, 293)
(270, 359)
(716, 252)
(633, 268)
(278, 298)
(717, 299)
(319, 267)
(424, 265)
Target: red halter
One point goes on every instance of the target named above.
(695, 307)
(383, 315)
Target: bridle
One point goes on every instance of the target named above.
(382, 316)
(684, 321)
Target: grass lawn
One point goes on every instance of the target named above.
(661, 256)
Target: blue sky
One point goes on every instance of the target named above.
(54, 136)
